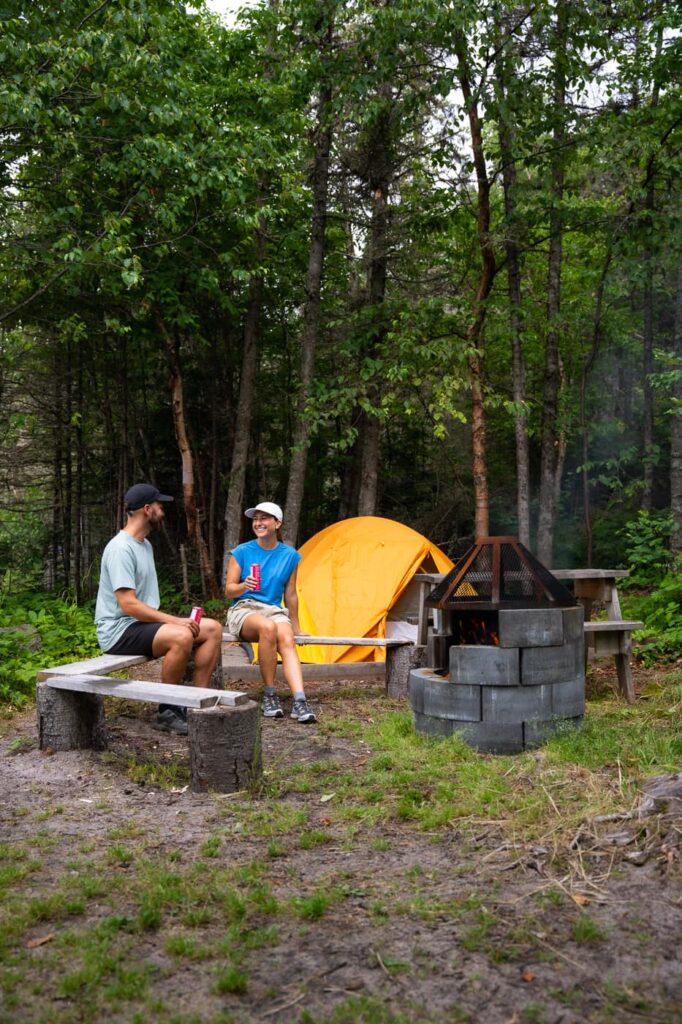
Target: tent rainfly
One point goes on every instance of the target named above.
(356, 578)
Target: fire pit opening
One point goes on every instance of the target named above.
(506, 659)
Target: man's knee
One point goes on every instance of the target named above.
(214, 631)
(173, 639)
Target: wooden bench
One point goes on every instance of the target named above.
(223, 725)
(401, 655)
(612, 638)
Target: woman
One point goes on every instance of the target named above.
(259, 574)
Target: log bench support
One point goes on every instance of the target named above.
(223, 725)
(613, 638)
(225, 748)
(68, 720)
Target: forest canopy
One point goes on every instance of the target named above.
(418, 260)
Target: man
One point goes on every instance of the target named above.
(127, 613)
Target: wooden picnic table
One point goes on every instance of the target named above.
(595, 586)
(590, 586)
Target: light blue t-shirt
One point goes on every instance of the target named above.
(276, 566)
(126, 563)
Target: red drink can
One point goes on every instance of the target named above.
(255, 572)
(196, 613)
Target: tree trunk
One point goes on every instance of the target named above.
(234, 506)
(512, 252)
(311, 313)
(676, 429)
(487, 275)
(67, 508)
(378, 178)
(648, 364)
(208, 580)
(588, 364)
(648, 316)
(550, 398)
(370, 458)
(80, 467)
(57, 456)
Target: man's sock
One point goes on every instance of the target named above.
(270, 691)
(299, 696)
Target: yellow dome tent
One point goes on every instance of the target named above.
(353, 576)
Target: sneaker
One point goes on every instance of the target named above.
(302, 712)
(170, 721)
(272, 707)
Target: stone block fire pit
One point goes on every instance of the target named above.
(506, 670)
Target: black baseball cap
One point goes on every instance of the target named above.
(140, 495)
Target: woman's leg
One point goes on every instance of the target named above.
(291, 663)
(263, 631)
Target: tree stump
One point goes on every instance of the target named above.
(70, 721)
(399, 663)
(224, 748)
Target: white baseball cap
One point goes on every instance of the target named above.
(268, 507)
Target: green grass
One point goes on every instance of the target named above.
(130, 908)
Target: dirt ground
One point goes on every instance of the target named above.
(390, 950)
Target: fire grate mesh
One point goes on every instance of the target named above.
(499, 572)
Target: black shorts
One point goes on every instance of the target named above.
(137, 639)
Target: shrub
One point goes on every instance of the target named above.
(648, 547)
(67, 633)
(661, 611)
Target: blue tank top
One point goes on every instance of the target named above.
(276, 566)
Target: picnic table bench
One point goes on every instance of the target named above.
(610, 638)
(223, 725)
(401, 655)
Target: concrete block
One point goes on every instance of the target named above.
(491, 738)
(502, 705)
(439, 727)
(541, 665)
(537, 733)
(531, 627)
(483, 665)
(415, 686)
(568, 698)
(415, 690)
(437, 648)
(573, 623)
(452, 700)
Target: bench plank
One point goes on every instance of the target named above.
(613, 626)
(339, 641)
(102, 664)
(612, 637)
(137, 689)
